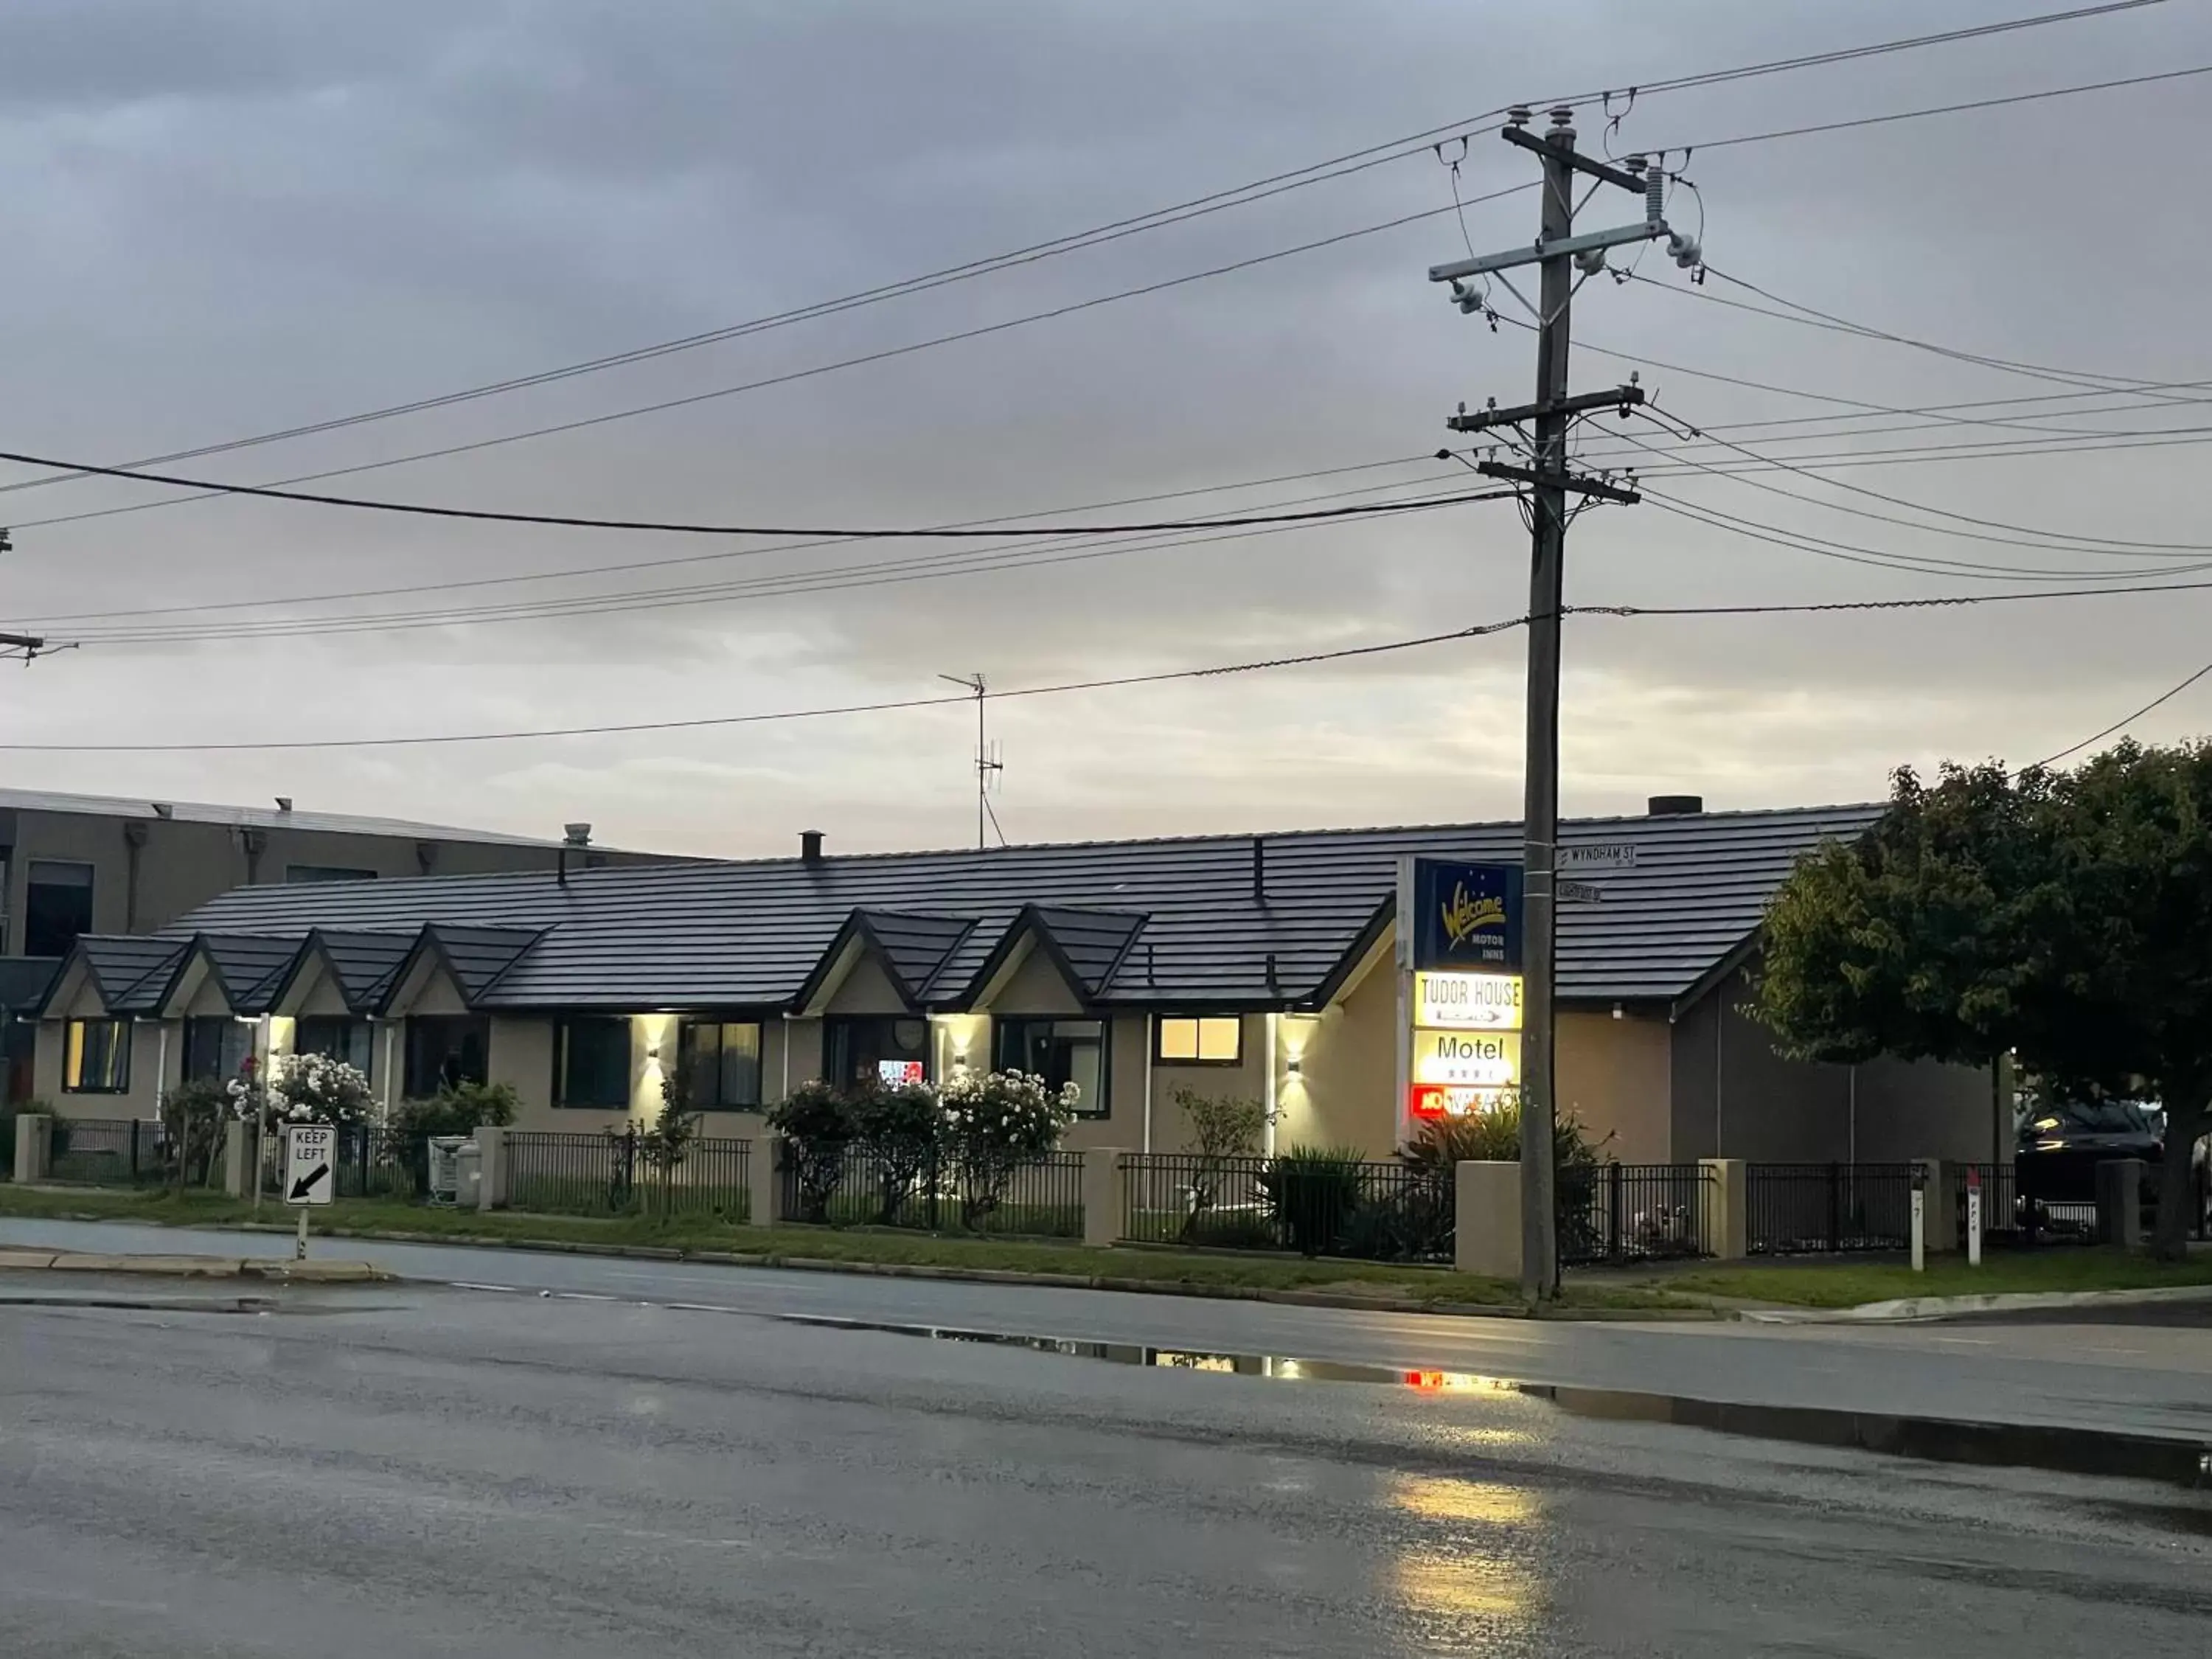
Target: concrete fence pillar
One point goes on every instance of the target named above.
(34, 1140)
(1487, 1217)
(237, 1156)
(491, 1166)
(1103, 1203)
(2119, 1202)
(1940, 1205)
(1727, 1208)
(764, 1181)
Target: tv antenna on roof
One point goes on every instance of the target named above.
(988, 765)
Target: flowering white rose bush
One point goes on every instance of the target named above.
(317, 1089)
(994, 1123)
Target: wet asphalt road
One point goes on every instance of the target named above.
(422, 1471)
(2081, 1373)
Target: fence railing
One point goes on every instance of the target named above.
(1803, 1209)
(108, 1151)
(1036, 1197)
(1635, 1212)
(557, 1172)
(1382, 1211)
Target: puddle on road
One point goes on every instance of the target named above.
(2065, 1451)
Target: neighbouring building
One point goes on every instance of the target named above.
(1254, 965)
(74, 864)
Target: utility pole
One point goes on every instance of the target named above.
(1559, 254)
(987, 764)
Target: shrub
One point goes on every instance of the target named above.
(664, 1147)
(994, 1123)
(816, 1122)
(456, 1111)
(1221, 1128)
(900, 1129)
(1312, 1192)
(194, 1116)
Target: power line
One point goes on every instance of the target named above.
(1943, 109)
(1353, 161)
(623, 568)
(210, 490)
(961, 561)
(1235, 196)
(2126, 720)
(423, 509)
(1925, 602)
(1217, 670)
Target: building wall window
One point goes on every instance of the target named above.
(720, 1062)
(96, 1057)
(1060, 1051)
(445, 1051)
(337, 1037)
(313, 873)
(590, 1061)
(884, 1048)
(215, 1047)
(56, 907)
(1199, 1040)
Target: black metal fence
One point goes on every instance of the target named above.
(1617, 1213)
(372, 1162)
(564, 1173)
(108, 1151)
(1388, 1211)
(1039, 1197)
(1803, 1209)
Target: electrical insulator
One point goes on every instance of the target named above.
(1684, 251)
(1590, 261)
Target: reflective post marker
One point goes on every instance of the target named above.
(1919, 1226)
(1973, 1216)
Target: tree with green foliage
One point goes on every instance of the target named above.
(1223, 1128)
(2060, 917)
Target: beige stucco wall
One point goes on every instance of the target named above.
(1345, 1092)
(1035, 987)
(866, 988)
(1613, 1075)
(520, 1055)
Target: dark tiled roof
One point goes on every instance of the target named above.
(25, 981)
(751, 934)
(477, 956)
(252, 967)
(1091, 943)
(913, 947)
(365, 964)
(132, 974)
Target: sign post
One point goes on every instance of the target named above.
(1919, 1222)
(310, 1172)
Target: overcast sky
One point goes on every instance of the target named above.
(226, 219)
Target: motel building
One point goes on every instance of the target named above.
(1276, 967)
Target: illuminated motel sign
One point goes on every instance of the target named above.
(1459, 987)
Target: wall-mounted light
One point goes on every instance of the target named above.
(1294, 1066)
(653, 1052)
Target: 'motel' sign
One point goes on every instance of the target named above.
(1466, 915)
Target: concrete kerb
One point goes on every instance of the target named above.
(1930, 1308)
(39, 1260)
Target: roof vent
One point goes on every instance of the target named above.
(810, 846)
(1674, 806)
(283, 803)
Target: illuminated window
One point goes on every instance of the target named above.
(1200, 1040)
(861, 1048)
(97, 1057)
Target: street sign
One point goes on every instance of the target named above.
(1579, 892)
(310, 1163)
(1596, 855)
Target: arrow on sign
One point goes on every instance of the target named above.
(307, 1182)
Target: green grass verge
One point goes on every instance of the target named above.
(1849, 1284)
(856, 1245)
